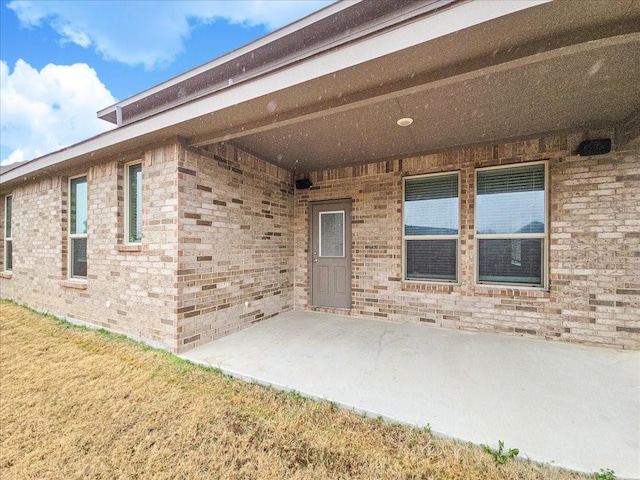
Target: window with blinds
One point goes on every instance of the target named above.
(8, 236)
(431, 227)
(78, 227)
(133, 202)
(511, 224)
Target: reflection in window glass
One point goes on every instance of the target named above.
(78, 223)
(431, 227)
(511, 200)
(8, 239)
(78, 227)
(134, 200)
(510, 224)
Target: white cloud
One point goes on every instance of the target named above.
(43, 111)
(151, 33)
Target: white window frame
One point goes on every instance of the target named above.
(127, 202)
(75, 235)
(8, 239)
(405, 237)
(544, 272)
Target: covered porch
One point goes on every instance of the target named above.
(568, 405)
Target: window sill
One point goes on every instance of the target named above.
(511, 291)
(129, 247)
(429, 286)
(76, 284)
(7, 275)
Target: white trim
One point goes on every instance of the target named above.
(544, 273)
(7, 238)
(73, 236)
(431, 237)
(127, 201)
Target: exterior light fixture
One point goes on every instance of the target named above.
(405, 122)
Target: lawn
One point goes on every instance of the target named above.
(78, 403)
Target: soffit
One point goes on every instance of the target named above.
(562, 68)
(587, 88)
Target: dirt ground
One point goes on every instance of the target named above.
(76, 403)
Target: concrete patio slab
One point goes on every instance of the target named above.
(572, 406)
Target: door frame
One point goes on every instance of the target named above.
(309, 246)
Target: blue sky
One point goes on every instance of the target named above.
(62, 61)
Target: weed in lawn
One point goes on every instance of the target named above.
(499, 455)
(604, 475)
(295, 395)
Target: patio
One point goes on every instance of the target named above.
(572, 406)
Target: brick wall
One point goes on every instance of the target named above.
(236, 218)
(225, 244)
(133, 292)
(594, 294)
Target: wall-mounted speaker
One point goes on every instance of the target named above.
(599, 146)
(303, 184)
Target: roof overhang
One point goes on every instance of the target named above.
(319, 32)
(467, 72)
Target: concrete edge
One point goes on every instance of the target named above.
(372, 414)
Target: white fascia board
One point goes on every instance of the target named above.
(281, 32)
(103, 140)
(456, 18)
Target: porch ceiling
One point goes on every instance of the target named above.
(577, 88)
(551, 67)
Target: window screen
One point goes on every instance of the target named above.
(431, 227)
(78, 227)
(511, 225)
(134, 203)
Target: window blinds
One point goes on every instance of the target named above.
(511, 200)
(135, 202)
(431, 188)
(431, 205)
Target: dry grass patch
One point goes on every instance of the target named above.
(76, 403)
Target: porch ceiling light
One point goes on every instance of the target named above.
(405, 122)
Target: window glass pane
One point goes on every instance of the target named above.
(510, 261)
(332, 234)
(135, 203)
(7, 226)
(431, 260)
(431, 205)
(78, 257)
(511, 200)
(8, 255)
(78, 214)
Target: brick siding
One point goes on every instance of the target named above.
(236, 263)
(225, 243)
(594, 294)
(133, 292)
